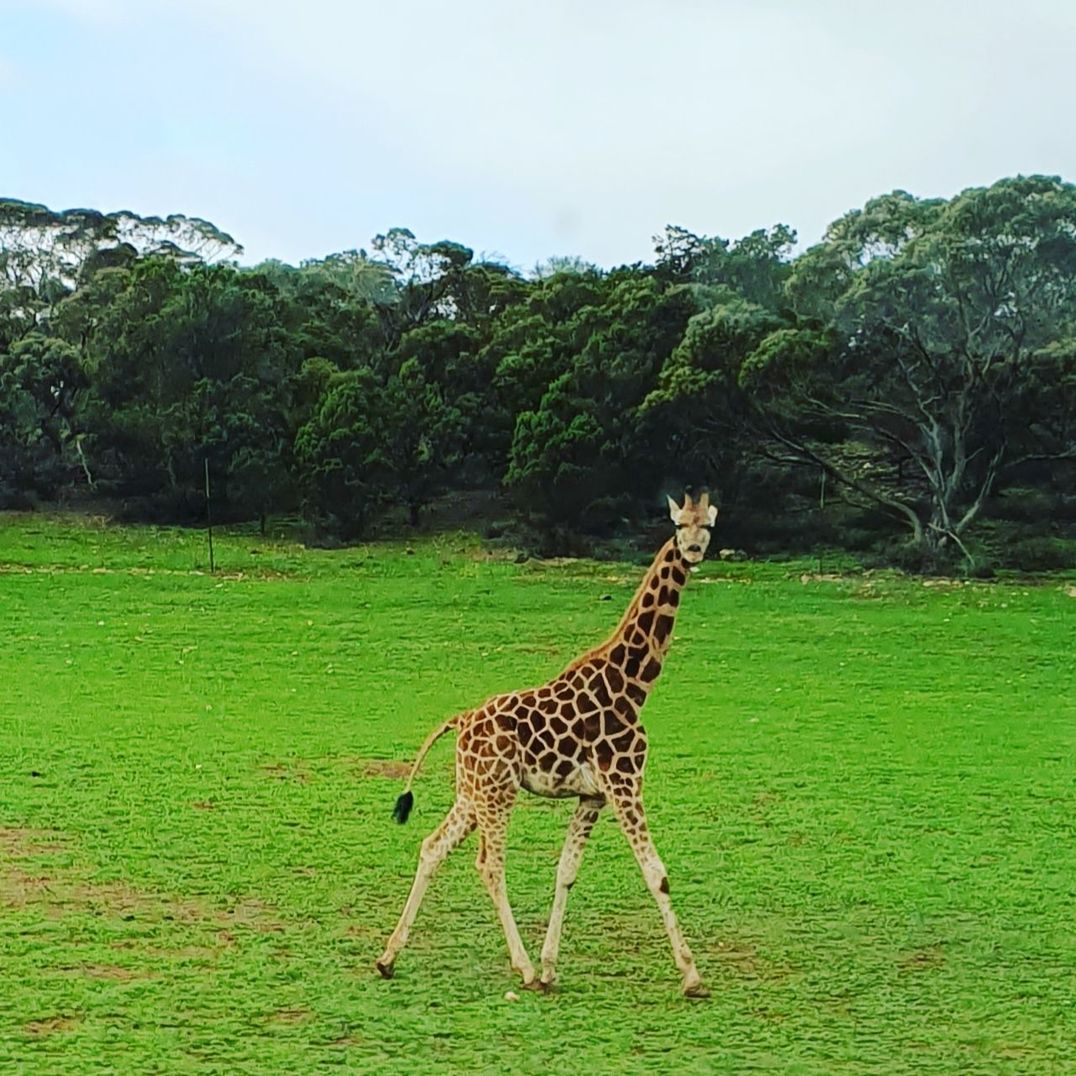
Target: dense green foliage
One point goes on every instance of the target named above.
(907, 385)
(863, 790)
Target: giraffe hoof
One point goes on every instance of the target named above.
(386, 969)
(696, 990)
(538, 985)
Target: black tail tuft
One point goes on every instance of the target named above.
(402, 810)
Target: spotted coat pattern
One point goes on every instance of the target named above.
(579, 735)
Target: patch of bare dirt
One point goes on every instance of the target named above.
(283, 771)
(112, 972)
(927, 959)
(20, 842)
(744, 959)
(51, 1025)
(250, 914)
(292, 1017)
(56, 892)
(391, 768)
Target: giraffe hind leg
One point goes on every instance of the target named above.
(457, 824)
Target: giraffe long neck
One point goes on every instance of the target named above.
(641, 640)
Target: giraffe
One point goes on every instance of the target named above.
(577, 735)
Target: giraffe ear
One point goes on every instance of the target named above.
(712, 513)
(674, 509)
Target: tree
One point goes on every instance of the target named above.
(342, 454)
(40, 446)
(185, 365)
(582, 453)
(920, 327)
(44, 254)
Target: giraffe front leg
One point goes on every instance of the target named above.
(586, 814)
(628, 806)
(490, 864)
(457, 824)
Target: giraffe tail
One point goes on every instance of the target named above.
(406, 800)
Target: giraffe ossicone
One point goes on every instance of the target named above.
(577, 735)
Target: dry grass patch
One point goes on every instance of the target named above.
(390, 768)
(933, 956)
(51, 1025)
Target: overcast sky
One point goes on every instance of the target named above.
(528, 129)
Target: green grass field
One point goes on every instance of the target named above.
(864, 791)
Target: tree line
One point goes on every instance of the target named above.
(906, 388)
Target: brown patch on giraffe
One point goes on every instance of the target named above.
(614, 679)
(585, 703)
(663, 596)
(651, 670)
(664, 886)
(503, 743)
(548, 706)
(616, 655)
(601, 692)
(624, 706)
(625, 765)
(611, 723)
(625, 741)
(546, 737)
(635, 658)
(564, 767)
(663, 627)
(636, 693)
(678, 576)
(646, 622)
(671, 555)
(647, 600)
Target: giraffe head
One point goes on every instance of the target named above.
(693, 522)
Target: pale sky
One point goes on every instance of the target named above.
(528, 129)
